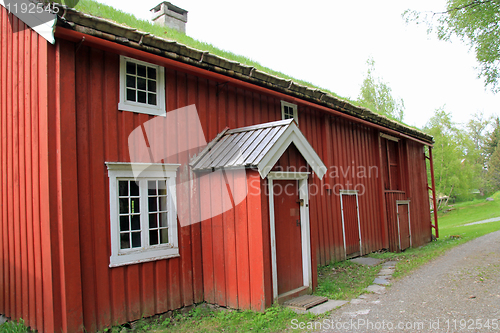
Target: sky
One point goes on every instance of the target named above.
(328, 43)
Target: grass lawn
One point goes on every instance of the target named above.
(341, 281)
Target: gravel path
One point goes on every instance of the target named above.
(457, 292)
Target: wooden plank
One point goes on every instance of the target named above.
(30, 265)
(68, 193)
(113, 151)
(216, 182)
(23, 100)
(53, 163)
(197, 140)
(16, 237)
(241, 238)
(147, 289)
(175, 291)
(228, 220)
(207, 243)
(305, 302)
(255, 236)
(82, 74)
(35, 149)
(183, 189)
(97, 172)
(4, 104)
(48, 301)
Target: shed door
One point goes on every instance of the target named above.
(350, 224)
(404, 226)
(288, 238)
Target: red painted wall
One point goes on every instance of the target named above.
(39, 257)
(60, 123)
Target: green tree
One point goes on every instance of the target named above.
(493, 174)
(455, 170)
(493, 139)
(475, 22)
(377, 95)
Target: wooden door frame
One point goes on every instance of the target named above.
(350, 192)
(403, 202)
(305, 231)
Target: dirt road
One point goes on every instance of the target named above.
(457, 292)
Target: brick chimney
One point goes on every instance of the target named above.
(170, 16)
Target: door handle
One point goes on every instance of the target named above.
(298, 223)
(301, 202)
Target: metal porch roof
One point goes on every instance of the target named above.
(258, 146)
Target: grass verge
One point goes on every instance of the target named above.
(344, 280)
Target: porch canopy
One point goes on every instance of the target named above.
(258, 146)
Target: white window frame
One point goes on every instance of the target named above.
(155, 171)
(294, 108)
(124, 105)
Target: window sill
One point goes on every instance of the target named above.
(142, 109)
(116, 263)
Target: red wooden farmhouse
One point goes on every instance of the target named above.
(140, 175)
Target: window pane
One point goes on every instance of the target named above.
(153, 237)
(151, 86)
(123, 188)
(135, 208)
(141, 96)
(151, 73)
(136, 222)
(152, 204)
(162, 187)
(163, 204)
(141, 84)
(130, 68)
(151, 187)
(163, 236)
(130, 81)
(134, 189)
(141, 70)
(164, 220)
(136, 239)
(151, 99)
(124, 225)
(123, 205)
(153, 220)
(131, 95)
(125, 241)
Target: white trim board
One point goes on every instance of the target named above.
(292, 134)
(305, 227)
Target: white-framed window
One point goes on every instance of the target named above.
(142, 87)
(143, 213)
(289, 111)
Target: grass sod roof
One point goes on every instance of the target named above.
(93, 18)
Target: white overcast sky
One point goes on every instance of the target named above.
(328, 42)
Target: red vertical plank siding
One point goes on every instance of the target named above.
(183, 189)
(67, 192)
(241, 239)
(84, 201)
(60, 123)
(266, 238)
(198, 140)
(174, 283)
(255, 239)
(230, 244)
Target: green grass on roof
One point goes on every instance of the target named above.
(104, 11)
